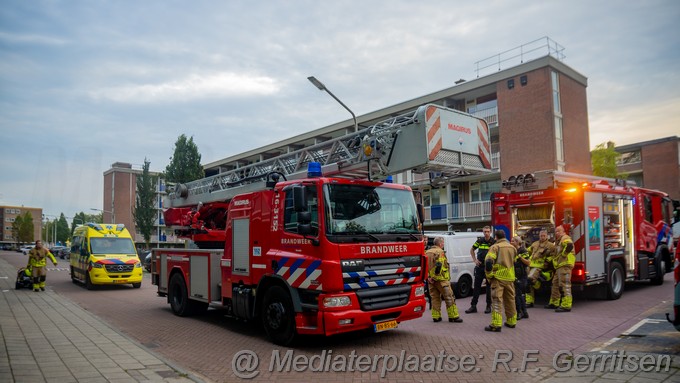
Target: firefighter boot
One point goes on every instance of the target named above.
(452, 312)
(487, 310)
(436, 315)
(36, 284)
(42, 283)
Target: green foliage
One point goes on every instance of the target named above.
(22, 228)
(185, 164)
(603, 160)
(82, 218)
(145, 207)
(63, 232)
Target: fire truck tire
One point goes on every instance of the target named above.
(660, 272)
(278, 316)
(178, 297)
(616, 281)
(464, 286)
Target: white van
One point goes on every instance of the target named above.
(462, 269)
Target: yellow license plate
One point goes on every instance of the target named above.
(120, 281)
(384, 326)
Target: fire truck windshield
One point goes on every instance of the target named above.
(368, 210)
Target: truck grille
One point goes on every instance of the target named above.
(119, 268)
(381, 283)
(380, 272)
(383, 297)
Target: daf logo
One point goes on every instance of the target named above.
(352, 265)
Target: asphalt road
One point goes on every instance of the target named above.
(211, 345)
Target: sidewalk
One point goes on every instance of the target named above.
(46, 338)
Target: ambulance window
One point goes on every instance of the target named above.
(75, 247)
(648, 209)
(290, 215)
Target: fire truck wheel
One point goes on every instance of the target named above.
(615, 285)
(660, 272)
(278, 316)
(177, 295)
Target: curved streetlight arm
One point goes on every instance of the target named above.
(322, 87)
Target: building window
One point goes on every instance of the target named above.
(629, 158)
(488, 187)
(556, 92)
(475, 192)
(559, 140)
(426, 197)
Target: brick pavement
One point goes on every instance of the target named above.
(44, 337)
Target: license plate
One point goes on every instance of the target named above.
(384, 326)
(120, 281)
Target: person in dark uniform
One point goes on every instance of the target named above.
(482, 246)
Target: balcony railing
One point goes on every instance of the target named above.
(458, 212)
(490, 115)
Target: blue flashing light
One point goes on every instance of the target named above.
(388, 180)
(314, 169)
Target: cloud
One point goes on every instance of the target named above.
(16, 38)
(194, 87)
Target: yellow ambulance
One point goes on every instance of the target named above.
(104, 254)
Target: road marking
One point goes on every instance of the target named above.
(627, 332)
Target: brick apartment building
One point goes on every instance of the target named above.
(7, 216)
(120, 186)
(653, 164)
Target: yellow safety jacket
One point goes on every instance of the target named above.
(565, 253)
(38, 258)
(502, 255)
(438, 264)
(541, 252)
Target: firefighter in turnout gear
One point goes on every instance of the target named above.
(563, 261)
(499, 266)
(482, 247)
(540, 267)
(521, 264)
(37, 260)
(440, 283)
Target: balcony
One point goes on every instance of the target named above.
(458, 212)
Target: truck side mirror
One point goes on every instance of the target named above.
(421, 212)
(299, 198)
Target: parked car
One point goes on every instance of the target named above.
(462, 269)
(147, 260)
(26, 248)
(60, 251)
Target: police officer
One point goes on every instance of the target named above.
(540, 265)
(440, 284)
(499, 266)
(482, 246)
(521, 263)
(37, 260)
(563, 262)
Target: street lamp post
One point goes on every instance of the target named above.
(321, 86)
(113, 216)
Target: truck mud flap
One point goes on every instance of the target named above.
(242, 302)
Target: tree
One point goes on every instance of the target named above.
(23, 228)
(603, 160)
(145, 207)
(185, 163)
(63, 232)
(82, 218)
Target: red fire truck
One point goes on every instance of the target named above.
(621, 232)
(325, 250)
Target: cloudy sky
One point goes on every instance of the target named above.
(84, 84)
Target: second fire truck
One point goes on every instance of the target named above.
(621, 233)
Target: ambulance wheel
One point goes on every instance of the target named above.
(278, 316)
(73, 276)
(137, 285)
(88, 282)
(616, 281)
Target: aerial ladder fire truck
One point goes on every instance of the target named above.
(621, 232)
(311, 241)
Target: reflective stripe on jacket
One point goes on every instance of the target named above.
(502, 253)
(564, 258)
(38, 258)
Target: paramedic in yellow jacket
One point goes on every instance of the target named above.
(563, 262)
(499, 265)
(541, 263)
(37, 260)
(439, 283)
